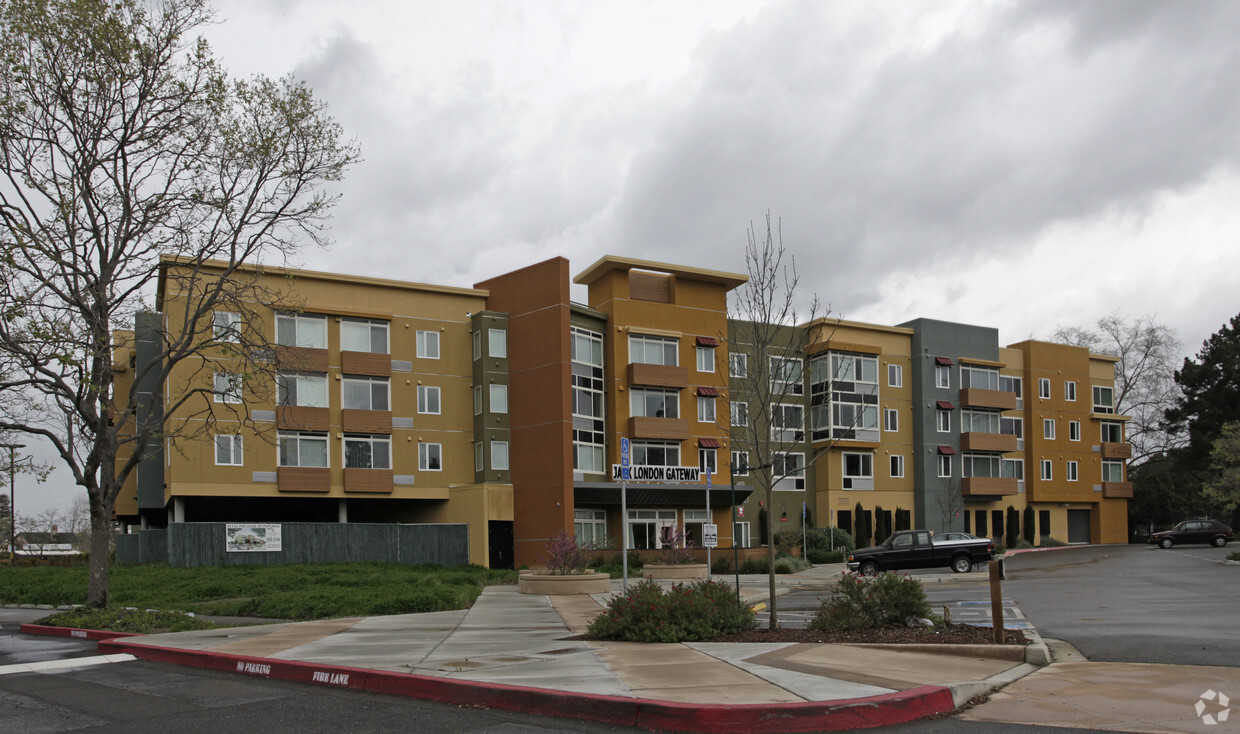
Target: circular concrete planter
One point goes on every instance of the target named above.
(531, 582)
(674, 571)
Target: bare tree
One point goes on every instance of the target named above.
(950, 501)
(1145, 384)
(766, 328)
(126, 153)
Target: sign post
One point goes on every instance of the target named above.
(624, 510)
(709, 521)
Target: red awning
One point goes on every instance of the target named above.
(707, 341)
(708, 392)
(710, 443)
(946, 451)
(944, 360)
(945, 405)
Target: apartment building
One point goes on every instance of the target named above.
(505, 407)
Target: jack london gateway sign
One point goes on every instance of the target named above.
(682, 474)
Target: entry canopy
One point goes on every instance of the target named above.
(658, 495)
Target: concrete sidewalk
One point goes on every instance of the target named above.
(512, 650)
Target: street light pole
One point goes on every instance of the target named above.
(12, 447)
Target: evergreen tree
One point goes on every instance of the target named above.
(1211, 391)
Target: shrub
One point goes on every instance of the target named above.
(722, 564)
(645, 613)
(817, 556)
(676, 547)
(755, 565)
(1048, 542)
(1234, 556)
(788, 564)
(1022, 544)
(858, 602)
(563, 556)
(117, 619)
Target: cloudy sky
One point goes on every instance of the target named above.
(1014, 164)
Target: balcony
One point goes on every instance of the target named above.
(987, 486)
(301, 418)
(366, 363)
(974, 397)
(301, 359)
(658, 375)
(369, 481)
(301, 479)
(366, 421)
(668, 429)
(1116, 450)
(976, 441)
(1117, 490)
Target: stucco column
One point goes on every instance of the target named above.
(342, 510)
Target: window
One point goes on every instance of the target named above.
(590, 527)
(738, 365)
(1074, 430)
(706, 409)
(740, 414)
(228, 450)
(1069, 391)
(1044, 387)
(853, 368)
(891, 419)
(981, 378)
(428, 344)
(740, 463)
(367, 452)
(1112, 471)
(477, 399)
(645, 402)
(301, 389)
(1012, 385)
(497, 343)
(1104, 399)
(499, 455)
(977, 421)
(895, 375)
(587, 347)
(226, 326)
(1012, 469)
(365, 393)
(1071, 472)
(430, 457)
(945, 466)
(499, 398)
(1112, 432)
(227, 387)
(655, 453)
(942, 375)
(588, 458)
(979, 465)
(587, 381)
(1046, 469)
(708, 461)
(645, 349)
(944, 420)
(786, 376)
(897, 466)
(478, 456)
(477, 339)
(788, 470)
(858, 466)
(301, 330)
(706, 359)
(787, 422)
(302, 449)
(360, 335)
(428, 399)
(740, 534)
(1048, 428)
(1012, 426)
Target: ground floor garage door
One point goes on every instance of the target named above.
(1078, 526)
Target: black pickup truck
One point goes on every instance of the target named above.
(917, 549)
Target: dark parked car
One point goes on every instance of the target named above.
(1194, 531)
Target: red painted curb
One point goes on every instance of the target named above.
(893, 708)
(81, 634)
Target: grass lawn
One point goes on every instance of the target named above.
(283, 592)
